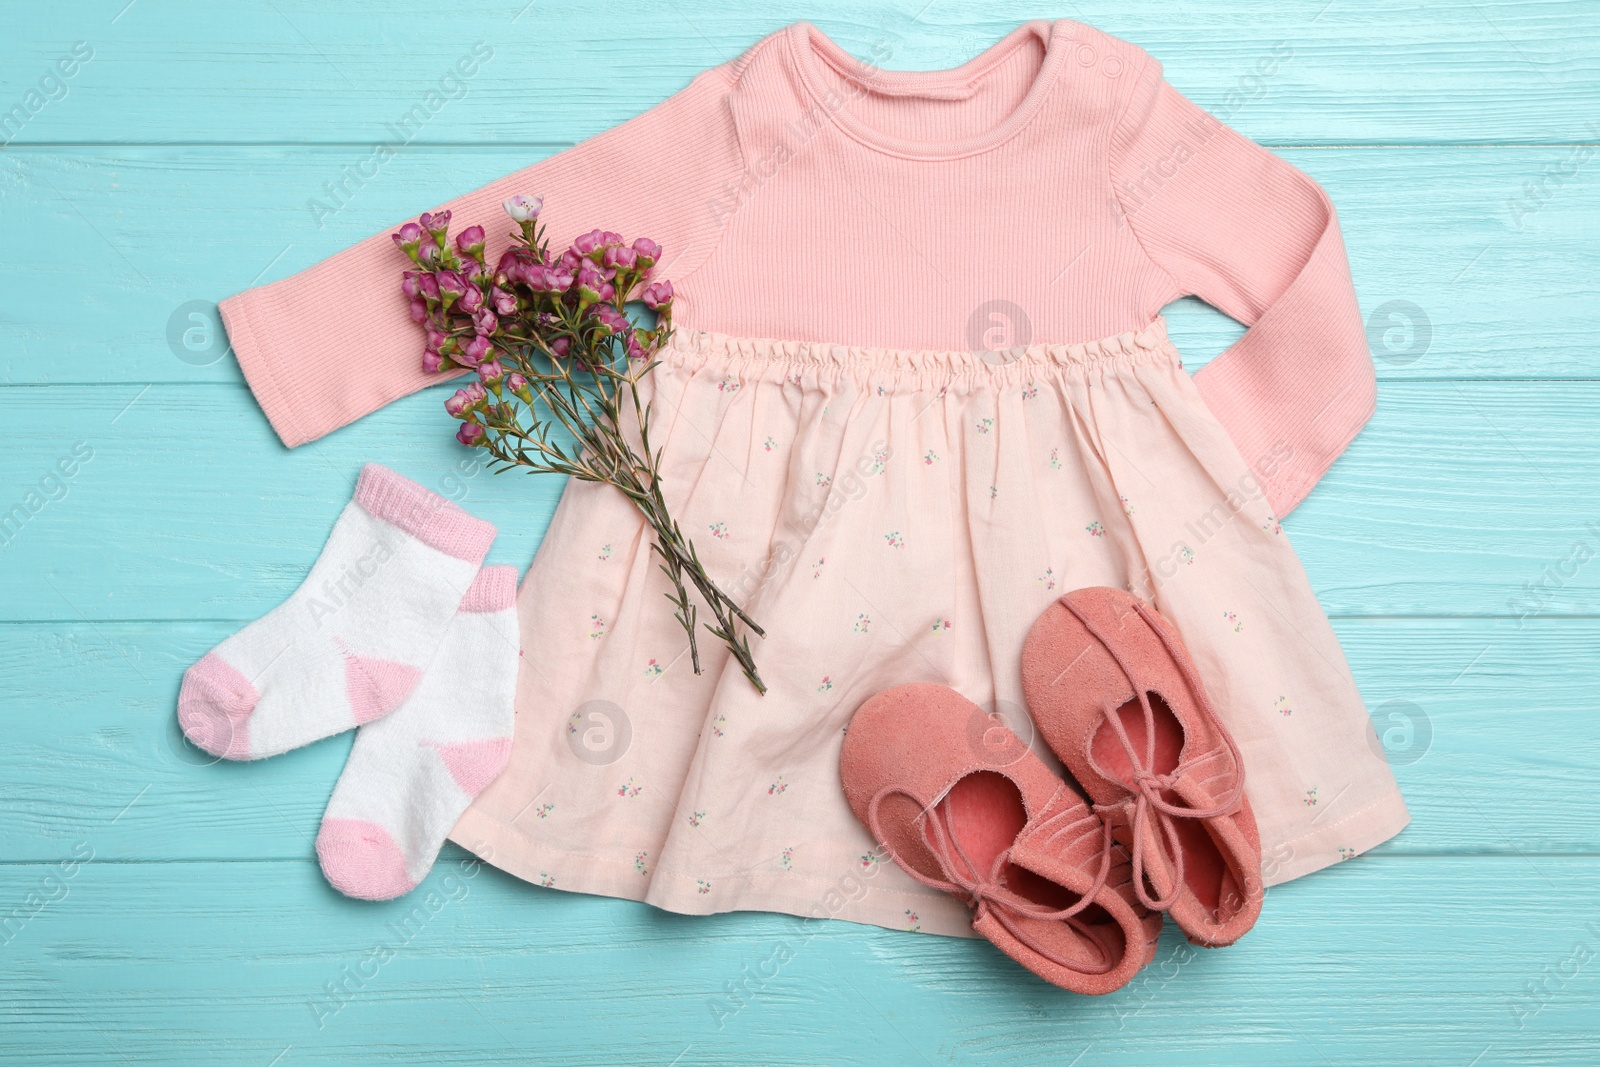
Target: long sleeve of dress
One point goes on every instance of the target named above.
(334, 342)
(1255, 237)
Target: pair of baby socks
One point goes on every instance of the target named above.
(399, 631)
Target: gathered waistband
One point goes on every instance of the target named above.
(696, 347)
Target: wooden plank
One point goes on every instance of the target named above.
(94, 748)
(296, 71)
(1432, 234)
(1376, 961)
(1459, 498)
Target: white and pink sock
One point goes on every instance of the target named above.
(412, 773)
(353, 641)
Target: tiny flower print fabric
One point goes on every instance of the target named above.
(891, 504)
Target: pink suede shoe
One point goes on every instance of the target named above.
(1114, 693)
(963, 805)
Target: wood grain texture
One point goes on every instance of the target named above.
(302, 72)
(158, 908)
(232, 963)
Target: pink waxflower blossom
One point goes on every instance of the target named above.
(436, 223)
(526, 269)
(621, 257)
(471, 300)
(524, 208)
(469, 242)
(490, 372)
(428, 254)
(593, 284)
(610, 319)
(408, 239)
(428, 285)
(436, 338)
(419, 311)
(519, 385)
(560, 347)
(648, 252)
(451, 286)
(569, 260)
(504, 303)
(432, 361)
(485, 322)
(469, 434)
(476, 351)
(657, 295)
(536, 276)
(458, 403)
(590, 244)
(409, 284)
(635, 349)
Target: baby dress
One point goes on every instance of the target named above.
(919, 386)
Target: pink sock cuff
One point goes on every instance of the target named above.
(494, 589)
(424, 514)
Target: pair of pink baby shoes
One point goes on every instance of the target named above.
(1072, 890)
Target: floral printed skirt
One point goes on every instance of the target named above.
(893, 516)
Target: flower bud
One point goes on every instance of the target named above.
(469, 434)
(451, 287)
(649, 252)
(408, 239)
(657, 295)
(610, 319)
(621, 257)
(458, 404)
(469, 242)
(475, 352)
(437, 223)
(590, 245)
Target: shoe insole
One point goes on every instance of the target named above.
(1205, 868)
(985, 813)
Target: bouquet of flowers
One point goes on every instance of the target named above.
(552, 347)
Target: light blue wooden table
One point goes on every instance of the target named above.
(154, 909)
